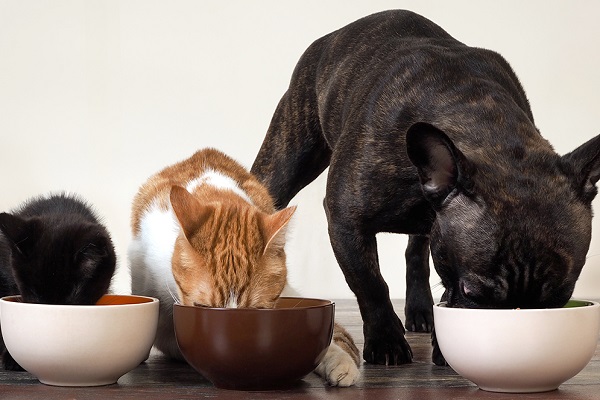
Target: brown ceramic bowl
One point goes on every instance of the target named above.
(255, 349)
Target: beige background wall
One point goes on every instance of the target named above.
(95, 96)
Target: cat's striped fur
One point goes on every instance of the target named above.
(206, 232)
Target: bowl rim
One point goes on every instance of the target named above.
(15, 300)
(326, 303)
(587, 304)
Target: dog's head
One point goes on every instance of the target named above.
(509, 231)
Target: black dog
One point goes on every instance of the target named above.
(429, 137)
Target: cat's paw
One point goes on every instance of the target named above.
(338, 368)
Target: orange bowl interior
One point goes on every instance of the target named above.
(106, 300)
(116, 299)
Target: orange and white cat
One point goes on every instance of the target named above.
(205, 232)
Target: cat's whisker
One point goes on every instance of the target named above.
(175, 298)
(297, 304)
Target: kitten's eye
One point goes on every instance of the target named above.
(196, 304)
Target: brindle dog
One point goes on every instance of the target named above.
(426, 136)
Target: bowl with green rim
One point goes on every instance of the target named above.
(518, 350)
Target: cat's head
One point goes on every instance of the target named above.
(7, 280)
(506, 236)
(59, 261)
(228, 254)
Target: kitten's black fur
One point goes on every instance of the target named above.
(426, 136)
(54, 250)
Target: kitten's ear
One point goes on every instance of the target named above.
(441, 166)
(584, 163)
(273, 227)
(97, 250)
(96, 261)
(19, 231)
(190, 213)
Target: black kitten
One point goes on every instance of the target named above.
(53, 250)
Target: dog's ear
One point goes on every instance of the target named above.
(584, 166)
(442, 167)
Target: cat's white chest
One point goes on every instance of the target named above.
(151, 251)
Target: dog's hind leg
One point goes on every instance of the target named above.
(293, 154)
(294, 151)
(419, 302)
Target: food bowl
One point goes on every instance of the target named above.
(77, 345)
(518, 351)
(255, 349)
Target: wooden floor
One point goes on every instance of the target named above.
(164, 380)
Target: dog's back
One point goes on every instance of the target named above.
(378, 76)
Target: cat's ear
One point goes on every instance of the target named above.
(584, 164)
(95, 261)
(20, 232)
(441, 166)
(97, 250)
(190, 213)
(273, 227)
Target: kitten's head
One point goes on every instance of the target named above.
(59, 260)
(506, 236)
(7, 286)
(228, 254)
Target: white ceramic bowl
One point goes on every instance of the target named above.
(73, 345)
(529, 350)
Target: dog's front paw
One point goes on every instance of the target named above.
(386, 345)
(436, 356)
(9, 363)
(338, 368)
(387, 352)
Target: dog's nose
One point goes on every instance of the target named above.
(467, 288)
(467, 291)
